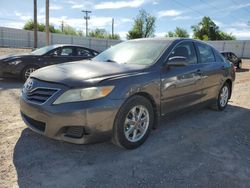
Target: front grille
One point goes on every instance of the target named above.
(34, 123)
(40, 95)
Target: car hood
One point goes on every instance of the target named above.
(81, 73)
(15, 56)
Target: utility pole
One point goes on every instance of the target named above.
(86, 17)
(62, 25)
(47, 22)
(35, 23)
(113, 28)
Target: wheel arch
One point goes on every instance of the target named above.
(156, 109)
(27, 66)
(230, 83)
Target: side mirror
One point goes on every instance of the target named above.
(177, 61)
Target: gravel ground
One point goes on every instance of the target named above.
(201, 148)
(4, 51)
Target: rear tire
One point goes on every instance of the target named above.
(239, 66)
(222, 99)
(133, 123)
(27, 71)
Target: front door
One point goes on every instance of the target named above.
(180, 84)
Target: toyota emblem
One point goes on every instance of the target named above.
(29, 85)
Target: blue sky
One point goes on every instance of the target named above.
(231, 16)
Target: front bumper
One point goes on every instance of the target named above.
(93, 119)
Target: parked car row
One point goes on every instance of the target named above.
(122, 93)
(22, 65)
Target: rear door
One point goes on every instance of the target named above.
(211, 70)
(180, 84)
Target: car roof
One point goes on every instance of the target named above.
(72, 45)
(223, 52)
(171, 39)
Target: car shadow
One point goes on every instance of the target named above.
(183, 150)
(10, 83)
(242, 70)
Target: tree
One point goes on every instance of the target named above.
(144, 26)
(208, 30)
(29, 25)
(102, 33)
(179, 32)
(68, 30)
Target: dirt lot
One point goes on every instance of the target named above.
(4, 51)
(202, 148)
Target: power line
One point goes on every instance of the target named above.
(183, 5)
(214, 7)
(244, 8)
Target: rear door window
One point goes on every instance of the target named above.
(206, 53)
(83, 52)
(66, 51)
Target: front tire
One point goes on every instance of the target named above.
(27, 71)
(133, 123)
(239, 66)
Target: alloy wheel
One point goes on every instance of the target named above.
(224, 94)
(136, 123)
(28, 72)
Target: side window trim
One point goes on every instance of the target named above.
(178, 44)
(199, 55)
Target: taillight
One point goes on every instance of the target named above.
(234, 68)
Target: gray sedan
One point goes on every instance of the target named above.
(123, 92)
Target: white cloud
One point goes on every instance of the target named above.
(155, 2)
(160, 34)
(80, 4)
(21, 16)
(55, 7)
(119, 4)
(79, 23)
(16, 25)
(126, 20)
(218, 23)
(240, 34)
(239, 6)
(123, 34)
(182, 18)
(169, 13)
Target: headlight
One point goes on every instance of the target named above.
(74, 95)
(16, 62)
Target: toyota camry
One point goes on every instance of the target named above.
(123, 92)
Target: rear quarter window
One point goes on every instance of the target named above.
(218, 56)
(206, 53)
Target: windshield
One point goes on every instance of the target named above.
(43, 50)
(133, 52)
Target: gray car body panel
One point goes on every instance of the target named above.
(168, 88)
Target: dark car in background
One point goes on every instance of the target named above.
(230, 56)
(124, 91)
(22, 65)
